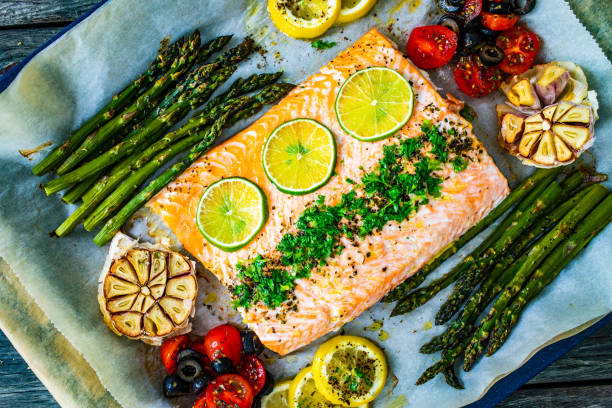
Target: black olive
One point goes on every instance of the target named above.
(201, 382)
(490, 55)
(498, 7)
(451, 6)
(251, 343)
(188, 353)
(189, 368)
(452, 22)
(269, 385)
(174, 386)
(522, 7)
(470, 42)
(223, 365)
(256, 402)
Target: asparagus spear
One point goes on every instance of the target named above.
(421, 296)
(514, 197)
(446, 362)
(160, 65)
(562, 255)
(531, 260)
(138, 108)
(270, 95)
(73, 195)
(152, 128)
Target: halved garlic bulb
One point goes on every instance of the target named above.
(147, 292)
(555, 136)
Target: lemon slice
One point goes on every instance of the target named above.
(304, 393)
(299, 156)
(231, 212)
(304, 19)
(279, 397)
(349, 370)
(374, 103)
(354, 9)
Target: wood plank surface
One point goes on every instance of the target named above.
(589, 396)
(16, 44)
(39, 12)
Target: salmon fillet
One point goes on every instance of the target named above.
(366, 270)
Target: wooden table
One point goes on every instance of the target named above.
(582, 378)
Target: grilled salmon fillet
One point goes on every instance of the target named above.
(366, 270)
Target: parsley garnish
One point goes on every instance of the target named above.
(468, 113)
(459, 164)
(322, 44)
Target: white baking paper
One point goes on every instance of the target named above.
(70, 80)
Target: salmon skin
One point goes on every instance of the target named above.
(351, 282)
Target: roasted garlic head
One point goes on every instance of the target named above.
(147, 292)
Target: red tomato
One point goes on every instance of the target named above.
(498, 22)
(476, 79)
(201, 401)
(252, 369)
(520, 46)
(471, 10)
(223, 341)
(431, 46)
(229, 390)
(170, 349)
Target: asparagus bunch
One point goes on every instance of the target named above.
(270, 95)
(166, 55)
(514, 197)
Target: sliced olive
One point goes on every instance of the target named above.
(498, 7)
(471, 42)
(188, 353)
(451, 6)
(522, 7)
(175, 387)
(200, 383)
(452, 22)
(251, 343)
(490, 55)
(189, 368)
(223, 365)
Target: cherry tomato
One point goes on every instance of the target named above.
(476, 79)
(431, 46)
(498, 22)
(520, 46)
(229, 390)
(223, 341)
(471, 10)
(201, 401)
(170, 349)
(252, 369)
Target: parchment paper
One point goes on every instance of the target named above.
(70, 80)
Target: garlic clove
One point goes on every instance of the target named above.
(512, 126)
(575, 136)
(545, 154)
(139, 258)
(563, 152)
(528, 142)
(129, 323)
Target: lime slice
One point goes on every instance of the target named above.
(299, 156)
(374, 103)
(231, 212)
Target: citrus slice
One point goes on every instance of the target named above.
(299, 156)
(374, 103)
(304, 393)
(279, 397)
(349, 370)
(231, 212)
(303, 19)
(353, 9)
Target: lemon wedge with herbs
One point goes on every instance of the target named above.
(374, 103)
(231, 212)
(279, 397)
(349, 370)
(304, 393)
(299, 156)
(304, 19)
(354, 9)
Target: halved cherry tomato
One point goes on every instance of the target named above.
(431, 46)
(170, 349)
(476, 79)
(223, 341)
(498, 22)
(201, 401)
(471, 10)
(252, 369)
(520, 46)
(229, 390)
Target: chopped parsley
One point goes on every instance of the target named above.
(322, 44)
(406, 178)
